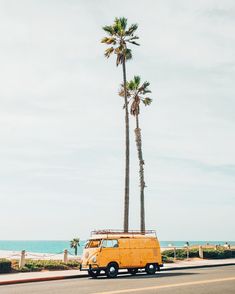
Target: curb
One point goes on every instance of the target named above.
(45, 279)
(42, 279)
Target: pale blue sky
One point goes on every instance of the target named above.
(62, 123)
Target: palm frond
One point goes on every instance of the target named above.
(117, 26)
(146, 91)
(108, 52)
(147, 101)
(137, 81)
(123, 22)
(131, 85)
(131, 30)
(121, 92)
(128, 54)
(134, 43)
(109, 30)
(109, 41)
(133, 38)
(146, 84)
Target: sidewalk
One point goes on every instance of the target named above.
(7, 279)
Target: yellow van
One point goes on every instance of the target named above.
(110, 251)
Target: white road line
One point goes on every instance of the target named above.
(167, 286)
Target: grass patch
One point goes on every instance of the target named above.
(39, 265)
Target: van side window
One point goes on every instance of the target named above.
(110, 243)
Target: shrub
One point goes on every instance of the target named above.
(180, 253)
(38, 265)
(217, 254)
(73, 264)
(233, 253)
(194, 252)
(5, 266)
(33, 267)
(166, 259)
(208, 253)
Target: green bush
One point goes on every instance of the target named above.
(33, 267)
(180, 253)
(217, 254)
(38, 265)
(5, 266)
(194, 252)
(166, 259)
(73, 264)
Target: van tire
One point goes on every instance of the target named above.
(111, 270)
(93, 273)
(132, 271)
(150, 268)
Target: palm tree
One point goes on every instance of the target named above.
(136, 94)
(119, 36)
(74, 244)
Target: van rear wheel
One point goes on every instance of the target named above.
(112, 270)
(93, 273)
(150, 268)
(132, 271)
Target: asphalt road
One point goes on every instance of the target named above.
(201, 281)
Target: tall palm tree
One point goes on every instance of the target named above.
(119, 36)
(136, 94)
(74, 244)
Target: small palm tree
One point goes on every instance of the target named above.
(119, 36)
(136, 94)
(74, 244)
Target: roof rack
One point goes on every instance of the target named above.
(121, 232)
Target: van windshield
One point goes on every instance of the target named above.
(93, 243)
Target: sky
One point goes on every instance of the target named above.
(62, 122)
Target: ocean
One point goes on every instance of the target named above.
(55, 247)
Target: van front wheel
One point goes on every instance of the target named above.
(93, 273)
(112, 270)
(150, 268)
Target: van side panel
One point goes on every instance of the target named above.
(125, 252)
(137, 252)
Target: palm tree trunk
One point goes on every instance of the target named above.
(76, 250)
(127, 154)
(141, 174)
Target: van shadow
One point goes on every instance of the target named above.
(144, 275)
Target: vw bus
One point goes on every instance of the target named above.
(110, 251)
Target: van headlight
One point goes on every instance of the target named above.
(94, 259)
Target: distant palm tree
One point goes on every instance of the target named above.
(136, 94)
(118, 38)
(74, 244)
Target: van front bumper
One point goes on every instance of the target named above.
(90, 267)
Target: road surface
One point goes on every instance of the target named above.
(214, 280)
